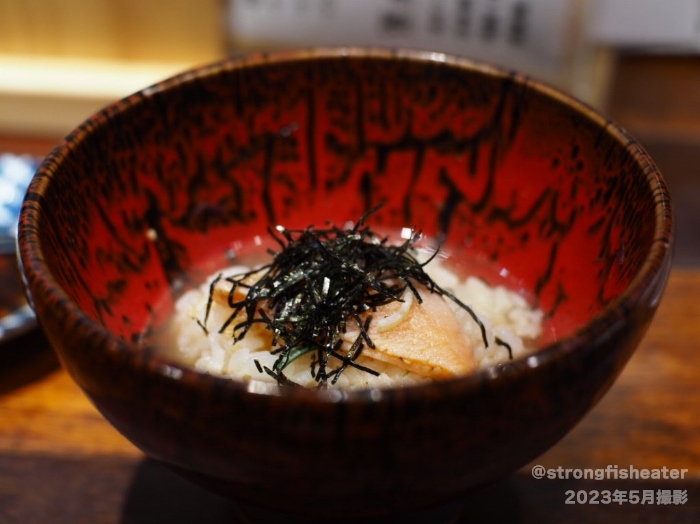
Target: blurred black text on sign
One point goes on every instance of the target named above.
(545, 38)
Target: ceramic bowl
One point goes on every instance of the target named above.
(522, 183)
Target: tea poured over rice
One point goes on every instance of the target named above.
(510, 325)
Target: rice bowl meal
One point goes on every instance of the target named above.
(333, 371)
(296, 321)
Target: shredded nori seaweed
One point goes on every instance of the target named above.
(318, 282)
(505, 344)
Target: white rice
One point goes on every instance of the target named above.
(505, 314)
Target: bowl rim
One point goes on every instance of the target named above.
(649, 280)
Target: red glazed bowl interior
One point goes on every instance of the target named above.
(522, 184)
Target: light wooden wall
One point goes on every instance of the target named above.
(175, 30)
(62, 60)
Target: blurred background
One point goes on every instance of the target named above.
(638, 61)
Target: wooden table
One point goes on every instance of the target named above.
(61, 462)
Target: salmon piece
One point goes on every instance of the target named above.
(222, 289)
(424, 338)
(220, 295)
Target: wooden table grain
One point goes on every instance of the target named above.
(61, 462)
